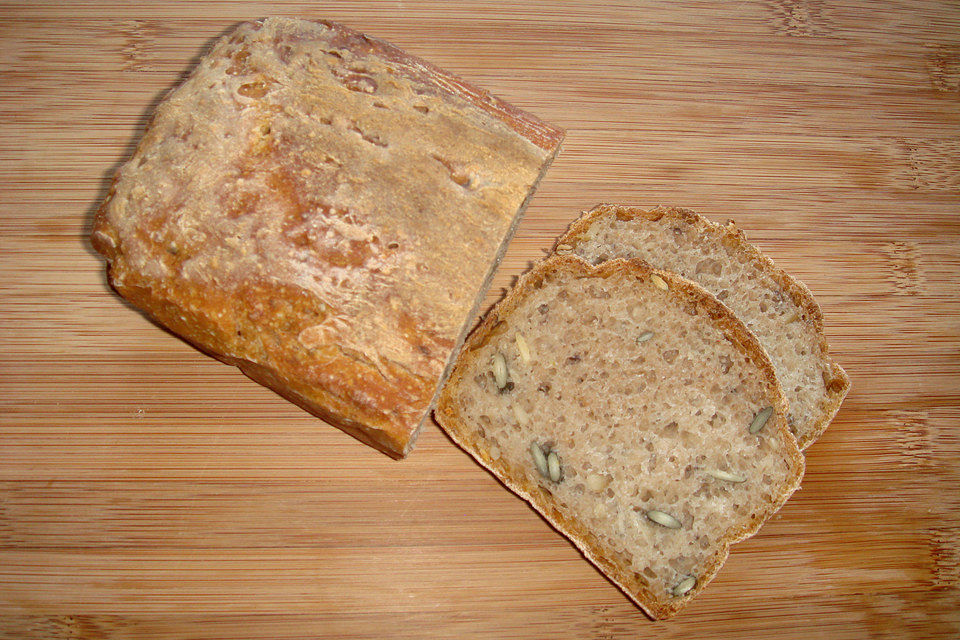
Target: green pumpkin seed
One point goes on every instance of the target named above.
(761, 419)
(539, 460)
(684, 586)
(553, 467)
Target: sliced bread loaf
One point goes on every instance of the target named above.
(635, 412)
(779, 309)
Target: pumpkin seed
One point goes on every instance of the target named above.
(726, 476)
(646, 335)
(539, 460)
(499, 370)
(684, 586)
(553, 466)
(761, 419)
(663, 519)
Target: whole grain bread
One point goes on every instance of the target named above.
(776, 307)
(323, 211)
(635, 412)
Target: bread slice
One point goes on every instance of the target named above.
(635, 412)
(779, 309)
(323, 211)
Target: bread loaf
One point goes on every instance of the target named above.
(779, 309)
(635, 412)
(323, 211)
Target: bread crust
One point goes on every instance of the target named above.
(298, 208)
(686, 291)
(731, 236)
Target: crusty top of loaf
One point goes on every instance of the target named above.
(323, 210)
(634, 418)
(778, 308)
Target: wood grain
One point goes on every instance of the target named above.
(147, 491)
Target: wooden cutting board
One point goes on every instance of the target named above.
(147, 491)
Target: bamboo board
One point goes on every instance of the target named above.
(149, 491)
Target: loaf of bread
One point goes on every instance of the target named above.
(777, 308)
(325, 212)
(635, 412)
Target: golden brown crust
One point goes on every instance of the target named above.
(435, 80)
(733, 238)
(324, 211)
(687, 291)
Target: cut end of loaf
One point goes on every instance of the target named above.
(619, 400)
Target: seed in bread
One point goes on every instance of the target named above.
(779, 309)
(658, 470)
(324, 211)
